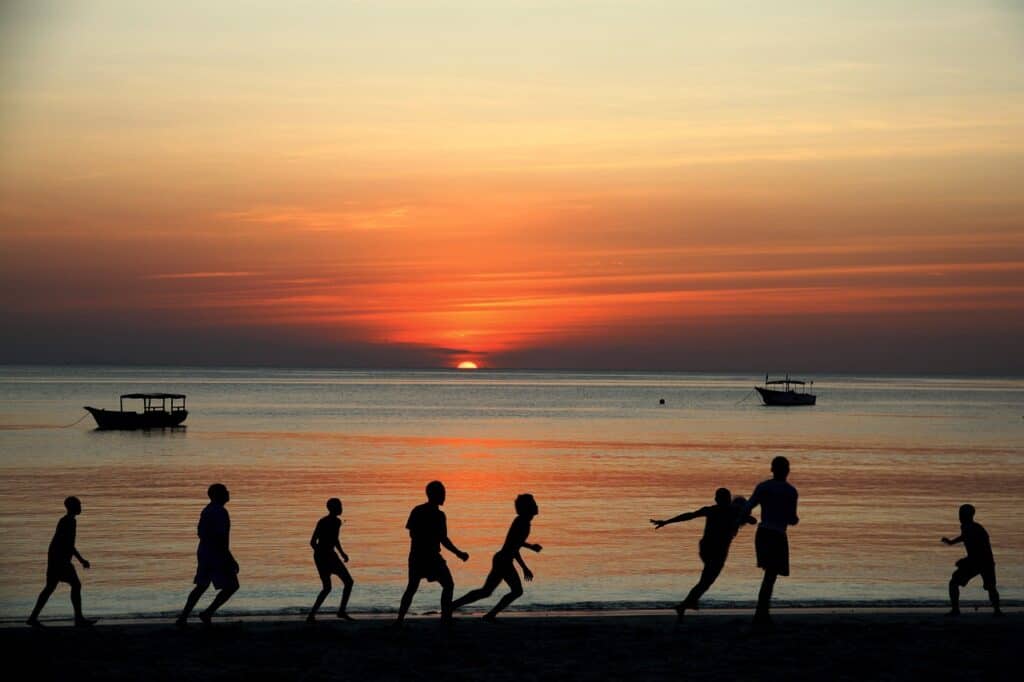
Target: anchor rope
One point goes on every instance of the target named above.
(74, 423)
(749, 393)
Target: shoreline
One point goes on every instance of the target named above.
(856, 645)
(544, 613)
(326, 615)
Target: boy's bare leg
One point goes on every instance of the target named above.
(447, 592)
(217, 602)
(326, 580)
(954, 599)
(44, 596)
(190, 602)
(993, 597)
(345, 594)
(410, 592)
(764, 599)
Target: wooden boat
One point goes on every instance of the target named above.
(787, 397)
(154, 415)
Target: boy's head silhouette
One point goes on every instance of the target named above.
(73, 505)
(723, 496)
(334, 506)
(436, 492)
(526, 505)
(218, 492)
(780, 467)
(966, 513)
(739, 502)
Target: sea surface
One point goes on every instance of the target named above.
(881, 463)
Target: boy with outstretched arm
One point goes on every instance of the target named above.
(721, 523)
(979, 561)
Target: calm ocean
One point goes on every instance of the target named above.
(881, 465)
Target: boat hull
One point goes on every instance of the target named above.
(110, 420)
(785, 398)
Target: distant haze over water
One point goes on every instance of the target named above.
(881, 465)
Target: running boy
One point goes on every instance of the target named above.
(722, 522)
(501, 564)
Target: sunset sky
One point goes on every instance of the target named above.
(812, 186)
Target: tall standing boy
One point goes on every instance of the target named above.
(778, 499)
(215, 564)
(428, 531)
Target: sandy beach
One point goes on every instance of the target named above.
(853, 644)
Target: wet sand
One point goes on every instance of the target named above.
(843, 645)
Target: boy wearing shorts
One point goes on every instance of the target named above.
(324, 542)
(979, 561)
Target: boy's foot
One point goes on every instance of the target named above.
(181, 622)
(763, 624)
(680, 610)
(344, 616)
(34, 622)
(953, 613)
(84, 622)
(490, 618)
(311, 618)
(206, 618)
(998, 613)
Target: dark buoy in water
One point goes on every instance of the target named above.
(661, 402)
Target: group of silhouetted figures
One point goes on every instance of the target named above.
(428, 532)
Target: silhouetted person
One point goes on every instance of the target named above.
(59, 568)
(215, 564)
(428, 530)
(501, 564)
(324, 541)
(979, 561)
(722, 522)
(778, 511)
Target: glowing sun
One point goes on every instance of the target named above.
(467, 364)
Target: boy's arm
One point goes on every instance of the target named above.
(527, 573)
(337, 546)
(81, 559)
(450, 546)
(744, 516)
(676, 519)
(957, 539)
(532, 547)
(312, 538)
(752, 501)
